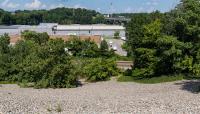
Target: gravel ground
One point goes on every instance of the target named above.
(103, 98)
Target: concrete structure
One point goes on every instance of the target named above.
(124, 65)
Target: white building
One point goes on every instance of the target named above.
(55, 29)
(103, 30)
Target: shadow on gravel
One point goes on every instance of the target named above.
(192, 86)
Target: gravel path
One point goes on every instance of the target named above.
(103, 98)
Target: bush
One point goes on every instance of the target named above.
(128, 72)
(40, 62)
(100, 70)
(6, 67)
(104, 50)
(48, 66)
(39, 38)
(81, 48)
(117, 35)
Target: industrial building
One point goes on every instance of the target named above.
(95, 32)
(56, 29)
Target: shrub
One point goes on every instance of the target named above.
(117, 35)
(143, 73)
(100, 70)
(128, 72)
(39, 38)
(6, 66)
(48, 66)
(81, 48)
(40, 62)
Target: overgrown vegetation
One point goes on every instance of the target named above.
(117, 35)
(40, 62)
(100, 70)
(160, 45)
(165, 44)
(37, 60)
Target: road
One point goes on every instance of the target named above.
(118, 43)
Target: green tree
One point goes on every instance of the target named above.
(85, 48)
(117, 35)
(7, 19)
(39, 38)
(100, 70)
(186, 28)
(5, 58)
(157, 54)
(4, 43)
(135, 32)
(48, 66)
(104, 49)
(104, 46)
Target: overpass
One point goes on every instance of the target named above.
(117, 20)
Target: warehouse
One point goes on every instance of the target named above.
(102, 30)
(55, 29)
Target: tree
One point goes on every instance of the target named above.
(104, 46)
(58, 15)
(100, 70)
(99, 19)
(175, 39)
(85, 48)
(7, 19)
(186, 21)
(39, 38)
(4, 43)
(47, 66)
(157, 54)
(5, 58)
(116, 35)
(186, 28)
(104, 50)
(41, 62)
(135, 31)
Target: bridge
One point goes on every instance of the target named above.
(117, 20)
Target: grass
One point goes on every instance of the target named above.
(153, 80)
(7, 82)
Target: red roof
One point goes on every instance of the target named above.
(95, 38)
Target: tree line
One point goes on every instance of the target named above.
(58, 15)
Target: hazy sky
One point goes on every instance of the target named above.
(104, 6)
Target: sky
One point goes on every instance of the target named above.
(103, 6)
